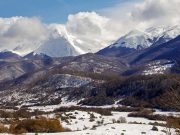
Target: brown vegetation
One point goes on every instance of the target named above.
(101, 111)
(21, 113)
(3, 129)
(42, 125)
(148, 114)
(173, 122)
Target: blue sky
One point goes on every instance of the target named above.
(52, 10)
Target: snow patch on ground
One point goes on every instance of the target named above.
(157, 68)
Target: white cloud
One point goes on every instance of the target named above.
(157, 12)
(145, 13)
(88, 31)
(99, 30)
(92, 30)
(21, 33)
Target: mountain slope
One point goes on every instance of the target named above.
(134, 39)
(13, 66)
(93, 63)
(92, 79)
(8, 55)
(161, 59)
(138, 40)
(61, 44)
(169, 51)
(163, 34)
(52, 88)
(57, 47)
(116, 52)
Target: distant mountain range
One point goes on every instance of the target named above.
(156, 59)
(138, 40)
(61, 44)
(123, 69)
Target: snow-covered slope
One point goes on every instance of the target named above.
(167, 32)
(57, 42)
(61, 43)
(57, 47)
(134, 39)
(152, 36)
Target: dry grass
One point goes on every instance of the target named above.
(42, 125)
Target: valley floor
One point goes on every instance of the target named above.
(118, 123)
(84, 123)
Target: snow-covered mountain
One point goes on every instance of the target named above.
(143, 39)
(57, 47)
(168, 32)
(134, 39)
(56, 42)
(61, 43)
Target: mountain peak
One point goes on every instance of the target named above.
(134, 39)
(142, 39)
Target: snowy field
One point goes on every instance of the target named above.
(90, 123)
(116, 129)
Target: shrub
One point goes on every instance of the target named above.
(3, 129)
(94, 127)
(154, 128)
(39, 125)
(147, 114)
(125, 109)
(92, 117)
(141, 113)
(102, 111)
(173, 122)
(72, 117)
(135, 122)
(100, 122)
(97, 101)
(177, 132)
(22, 113)
(156, 124)
(4, 114)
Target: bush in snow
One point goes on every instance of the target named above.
(92, 117)
(154, 128)
(3, 129)
(37, 126)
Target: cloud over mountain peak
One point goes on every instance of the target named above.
(87, 31)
